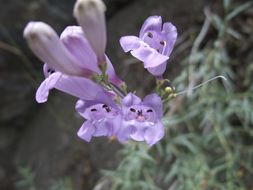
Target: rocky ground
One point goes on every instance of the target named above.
(43, 137)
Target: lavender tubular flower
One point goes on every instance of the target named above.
(70, 54)
(45, 43)
(79, 87)
(103, 118)
(76, 42)
(141, 119)
(154, 44)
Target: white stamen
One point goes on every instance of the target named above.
(164, 46)
(144, 36)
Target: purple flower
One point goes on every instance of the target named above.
(74, 85)
(154, 44)
(141, 119)
(70, 54)
(103, 117)
(45, 43)
(76, 42)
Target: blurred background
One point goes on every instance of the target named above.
(208, 144)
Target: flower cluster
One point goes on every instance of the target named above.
(75, 63)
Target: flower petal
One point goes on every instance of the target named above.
(154, 101)
(113, 78)
(45, 43)
(75, 41)
(102, 97)
(130, 99)
(106, 97)
(47, 70)
(149, 56)
(82, 106)
(153, 134)
(153, 23)
(44, 88)
(169, 33)
(75, 86)
(125, 131)
(90, 15)
(158, 70)
(79, 87)
(139, 133)
(129, 43)
(117, 124)
(86, 131)
(103, 128)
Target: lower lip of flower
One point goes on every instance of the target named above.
(99, 121)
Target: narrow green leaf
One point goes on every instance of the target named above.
(226, 4)
(238, 10)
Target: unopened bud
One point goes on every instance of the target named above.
(168, 89)
(90, 15)
(45, 43)
(173, 95)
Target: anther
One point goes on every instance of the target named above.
(50, 71)
(104, 106)
(149, 110)
(139, 112)
(94, 109)
(150, 35)
(107, 109)
(132, 110)
(162, 43)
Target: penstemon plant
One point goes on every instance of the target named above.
(76, 64)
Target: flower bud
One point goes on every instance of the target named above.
(168, 89)
(90, 15)
(45, 43)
